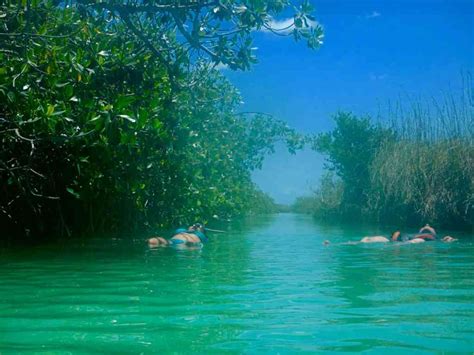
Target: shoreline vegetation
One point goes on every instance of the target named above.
(411, 167)
(114, 116)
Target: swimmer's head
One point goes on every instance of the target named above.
(153, 242)
(448, 239)
(198, 227)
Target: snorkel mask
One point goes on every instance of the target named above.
(198, 227)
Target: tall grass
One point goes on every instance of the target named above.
(414, 181)
(427, 172)
(435, 119)
(412, 166)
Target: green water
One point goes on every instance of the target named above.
(270, 286)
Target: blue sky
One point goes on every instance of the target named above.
(373, 52)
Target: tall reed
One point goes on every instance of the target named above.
(427, 172)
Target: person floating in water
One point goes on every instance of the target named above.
(373, 239)
(448, 239)
(399, 237)
(394, 237)
(380, 238)
(193, 235)
(429, 233)
(426, 233)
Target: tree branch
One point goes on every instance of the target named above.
(149, 45)
(153, 8)
(193, 41)
(4, 34)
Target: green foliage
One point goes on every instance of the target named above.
(108, 120)
(427, 173)
(413, 182)
(177, 32)
(303, 204)
(418, 170)
(326, 202)
(350, 148)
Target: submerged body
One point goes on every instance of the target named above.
(403, 238)
(375, 239)
(415, 241)
(192, 235)
(396, 236)
(426, 233)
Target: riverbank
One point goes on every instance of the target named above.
(409, 167)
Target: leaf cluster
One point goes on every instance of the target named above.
(105, 128)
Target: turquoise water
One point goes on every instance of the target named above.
(270, 286)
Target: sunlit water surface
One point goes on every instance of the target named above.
(267, 286)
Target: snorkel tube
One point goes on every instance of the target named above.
(215, 230)
(200, 227)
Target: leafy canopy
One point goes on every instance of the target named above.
(112, 116)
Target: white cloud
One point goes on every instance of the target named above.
(221, 66)
(286, 26)
(283, 26)
(374, 14)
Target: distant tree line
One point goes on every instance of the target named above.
(113, 116)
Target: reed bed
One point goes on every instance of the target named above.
(415, 164)
(427, 172)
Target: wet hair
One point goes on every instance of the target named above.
(448, 238)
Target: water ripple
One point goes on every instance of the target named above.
(272, 288)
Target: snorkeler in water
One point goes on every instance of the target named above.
(404, 238)
(395, 237)
(192, 235)
(427, 229)
(372, 239)
(427, 233)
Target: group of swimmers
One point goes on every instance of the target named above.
(196, 235)
(426, 233)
